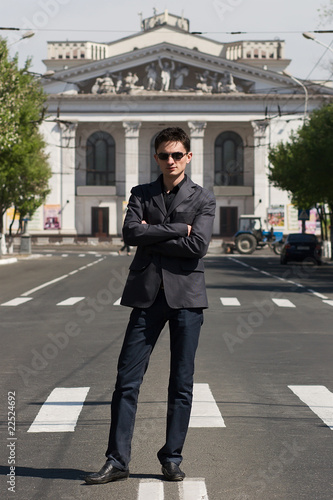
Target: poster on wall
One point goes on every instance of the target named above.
(293, 225)
(52, 217)
(36, 221)
(9, 220)
(313, 224)
(275, 215)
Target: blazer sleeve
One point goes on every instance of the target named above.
(195, 245)
(135, 233)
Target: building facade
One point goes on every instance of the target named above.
(107, 102)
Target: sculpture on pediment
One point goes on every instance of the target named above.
(213, 81)
(152, 76)
(226, 84)
(130, 82)
(166, 73)
(107, 85)
(203, 82)
(179, 76)
(119, 81)
(103, 85)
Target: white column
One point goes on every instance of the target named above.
(197, 147)
(261, 187)
(131, 156)
(67, 177)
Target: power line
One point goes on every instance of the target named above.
(191, 32)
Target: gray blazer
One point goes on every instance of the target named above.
(165, 255)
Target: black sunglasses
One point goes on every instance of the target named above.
(175, 156)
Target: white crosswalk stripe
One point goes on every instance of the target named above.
(329, 302)
(151, 490)
(70, 301)
(192, 489)
(189, 489)
(17, 302)
(318, 398)
(60, 411)
(283, 303)
(205, 412)
(230, 301)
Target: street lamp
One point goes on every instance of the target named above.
(286, 73)
(310, 36)
(27, 34)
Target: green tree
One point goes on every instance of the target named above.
(326, 12)
(304, 165)
(24, 168)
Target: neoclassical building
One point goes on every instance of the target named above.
(107, 102)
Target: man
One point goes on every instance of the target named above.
(170, 221)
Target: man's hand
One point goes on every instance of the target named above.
(143, 222)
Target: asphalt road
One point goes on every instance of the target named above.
(265, 354)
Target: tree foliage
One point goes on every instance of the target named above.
(24, 169)
(326, 12)
(304, 165)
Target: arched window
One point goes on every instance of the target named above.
(100, 160)
(229, 160)
(154, 168)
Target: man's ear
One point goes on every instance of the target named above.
(189, 157)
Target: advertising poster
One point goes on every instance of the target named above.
(9, 220)
(293, 223)
(52, 217)
(275, 215)
(313, 224)
(36, 221)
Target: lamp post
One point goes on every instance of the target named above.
(286, 73)
(27, 34)
(310, 36)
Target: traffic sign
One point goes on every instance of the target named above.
(303, 214)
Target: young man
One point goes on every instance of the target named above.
(170, 221)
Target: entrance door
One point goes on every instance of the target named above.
(100, 221)
(228, 221)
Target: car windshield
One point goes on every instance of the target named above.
(301, 238)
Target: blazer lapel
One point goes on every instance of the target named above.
(186, 190)
(155, 189)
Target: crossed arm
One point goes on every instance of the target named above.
(172, 239)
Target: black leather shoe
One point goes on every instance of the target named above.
(172, 472)
(106, 474)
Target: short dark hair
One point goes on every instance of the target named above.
(173, 134)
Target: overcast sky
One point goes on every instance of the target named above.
(108, 20)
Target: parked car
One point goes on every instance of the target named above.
(301, 247)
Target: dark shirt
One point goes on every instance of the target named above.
(169, 197)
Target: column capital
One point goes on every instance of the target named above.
(197, 129)
(68, 126)
(132, 128)
(259, 128)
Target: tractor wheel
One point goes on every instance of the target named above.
(246, 243)
(277, 247)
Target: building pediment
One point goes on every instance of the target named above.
(166, 67)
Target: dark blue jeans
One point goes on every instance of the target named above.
(144, 328)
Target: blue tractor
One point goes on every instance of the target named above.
(250, 236)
